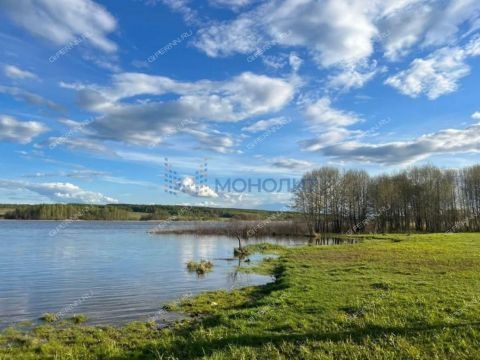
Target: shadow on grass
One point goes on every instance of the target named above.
(260, 292)
(200, 348)
(186, 346)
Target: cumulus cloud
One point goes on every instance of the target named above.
(263, 125)
(19, 131)
(329, 124)
(476, 115)
(195, 103)
(437, 74)
(15, 72)
(447, 20)
(227, 38)
(61, 21)
(188, 186)
(334, 31)
(59, 192)
(321, 114)
(400, 31)
(448, 141)
(324, 138)
(340, 30)
(342, 34)
(352, 76)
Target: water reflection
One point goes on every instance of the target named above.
(329, 240)
(129, 273)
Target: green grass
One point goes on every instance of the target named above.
(387, 297)
(4, 210)
(49, 317)
(200, 267)
(79, 318)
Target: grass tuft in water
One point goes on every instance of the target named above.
(200, 267)
(79, 318)
(49, 317)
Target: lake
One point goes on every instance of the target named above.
(113, 272)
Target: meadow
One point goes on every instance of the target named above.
(385, 297)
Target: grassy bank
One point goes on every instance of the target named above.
(387, 297)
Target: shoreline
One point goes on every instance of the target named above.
(345, 301)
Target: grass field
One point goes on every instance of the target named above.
(4, 210)
(388, 297)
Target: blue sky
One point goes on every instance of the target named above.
(96, 94)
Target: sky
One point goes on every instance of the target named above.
(228, 102)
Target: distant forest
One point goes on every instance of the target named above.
(126, 212)
(421, 199)
(327, 200)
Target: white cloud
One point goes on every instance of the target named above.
(190, 16)
(61, 21)
(426, 23)
(201, 102)
(228, 38)
(342, 34)
(232, 100)
(188, 186)
(339, 32)
(31, 98)
(437, 74)
(335, 32)
(295, 61)
(322, 115)
(85, 174)
(19, 131)
(403, 28)
(352, 76)
(448, 141)
(328, 123)
(15, 72)
(263, 125)
(292, 164)
(60, 192)
(75, 143)
(324, 138)
(447, 21)
(232, 4)
(212, 140)
(476, 115)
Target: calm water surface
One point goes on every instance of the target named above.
(111, 271)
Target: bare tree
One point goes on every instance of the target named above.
(417, 199)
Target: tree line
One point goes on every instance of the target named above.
(128, 212)
(421, 199)
(67, 211)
